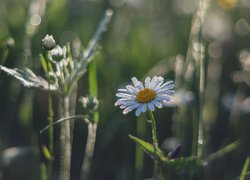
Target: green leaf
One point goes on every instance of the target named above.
(46, 152)
(148, 148)
(28, 78)
(44, 64)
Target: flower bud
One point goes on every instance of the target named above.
(48, 42)
(10, 42)
(89, 103)
(58, 53)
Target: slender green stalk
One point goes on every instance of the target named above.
(50, 113)
(74, 117)
(65, 156)
(223, 151)
(155, 144)
(93, 86)
(92, 127)
(43, 171)
(195, 55)
(245, 168)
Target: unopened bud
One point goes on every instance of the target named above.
(90, 103)
(58, 53)
(48, 42)
(10, 42)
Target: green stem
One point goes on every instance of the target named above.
(93, 86)
(92, 127)
(65, 156)
(43, 172)
(89, 152)
(51, 114)
(245, 168)
(155, 143)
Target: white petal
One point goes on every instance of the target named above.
(156, 82)
(138, 111)
(122, 106)
(163, 98)
(126, 99)
(137, 84)
(126, 91)
(124, 95)
(132, 89)
(144, 107)
(129, 103)
(147, 82)
(159, 82)
(151, 106)
(157, 104)
(169, 87)
(126, 110)
(130, 108)
(118, 103)
(153, 82)
(168, 103)
(166, 93)
(168, 83)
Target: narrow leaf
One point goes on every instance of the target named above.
(46, 152)
(148, 148)
(44, 64)
(28, 78)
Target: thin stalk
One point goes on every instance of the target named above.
(51, 114)
(74, 117)
(65, 156)
(155, 143)
(201, 131)
(93, 86)
(90, 146)
(72, 108)
(245, 168)
(196, 55)
(195, 129)
(223, 151)
(43, 171)
(92, 127)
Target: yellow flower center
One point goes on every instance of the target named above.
(145, 95)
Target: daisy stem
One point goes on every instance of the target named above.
(155, 143)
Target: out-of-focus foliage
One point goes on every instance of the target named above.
(143, 37)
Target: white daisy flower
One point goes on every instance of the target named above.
(142, 97)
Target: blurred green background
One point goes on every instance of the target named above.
(144, 37)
